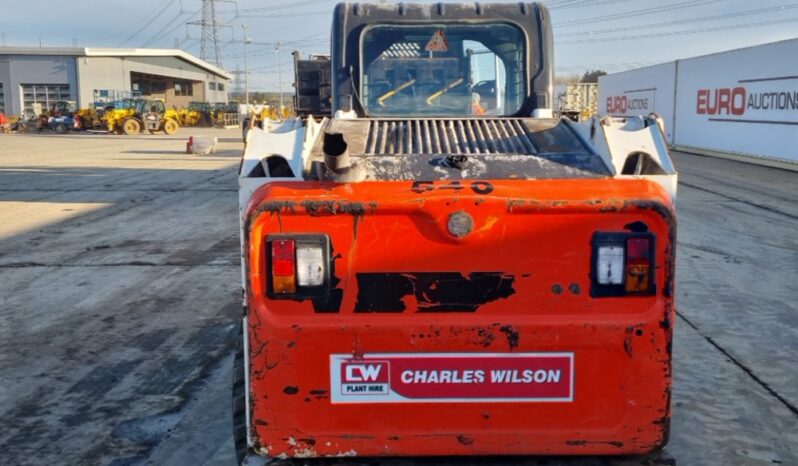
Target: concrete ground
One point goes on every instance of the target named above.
(120, 292)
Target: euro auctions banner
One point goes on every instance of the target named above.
(461, 377)
(640, 92)
(743, 102)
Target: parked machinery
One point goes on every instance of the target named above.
(60, 117)
(116, 113)
(579, 102)
(312, 85)
(153, 116)
(196, 114)
(5, 123)
(259, 116)
(90, 118)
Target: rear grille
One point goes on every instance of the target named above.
(449, 136)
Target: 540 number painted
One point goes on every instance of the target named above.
(478, 187)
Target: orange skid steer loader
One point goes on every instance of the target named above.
(423, 280)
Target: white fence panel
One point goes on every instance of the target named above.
(741, 102)
(641, 92)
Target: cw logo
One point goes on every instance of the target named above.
(365, 372)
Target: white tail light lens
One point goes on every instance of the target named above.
(610, 265)
(309, 265)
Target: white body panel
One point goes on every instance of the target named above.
(615, 139)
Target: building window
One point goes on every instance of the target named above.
(148, 85)
(2, 99)
(156, 87)
(212, 86)
(184, 88)
(44, 94)
(220, 86)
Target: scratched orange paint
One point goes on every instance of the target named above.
(537, 235)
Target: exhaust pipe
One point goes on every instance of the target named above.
(336, 152)
(336, 158)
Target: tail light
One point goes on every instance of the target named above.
(638, 265)
(623, 264)
(283, 266)
(298, 266)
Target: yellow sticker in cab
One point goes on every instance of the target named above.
(437, 43)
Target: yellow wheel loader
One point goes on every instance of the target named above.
(114, 115)
(153, 116)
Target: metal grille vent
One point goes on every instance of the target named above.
(449, 136)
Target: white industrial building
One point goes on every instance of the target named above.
(740, 104)
(32, 77)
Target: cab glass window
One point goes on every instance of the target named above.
(442, 70)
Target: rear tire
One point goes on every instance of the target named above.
(60, 128)
(239, 402)
(131, 127)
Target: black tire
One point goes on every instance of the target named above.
(239, 403)
(60, 128)
(205, 120)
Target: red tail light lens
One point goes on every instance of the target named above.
(283, 266)
(623, 264)
(298, 266)
(638, 265)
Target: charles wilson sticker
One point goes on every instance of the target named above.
(463, 377)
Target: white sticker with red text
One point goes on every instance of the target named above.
(461, 377)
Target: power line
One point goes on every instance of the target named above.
(678, 33)
(681, 21)
(590, 4)
(283, 28)
(268, 67)
(161, 34)
(609, 66)
(283, 6)
(287, 15)
(630, 14)
(147, 24)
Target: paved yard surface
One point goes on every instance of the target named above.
(119, 292)
(119, 296)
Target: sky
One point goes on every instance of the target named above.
(613, 35)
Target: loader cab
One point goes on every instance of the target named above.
(443, 60)
(434, 69)
(151, 106)
(63, 107)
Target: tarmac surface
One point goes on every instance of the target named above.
(120, 297)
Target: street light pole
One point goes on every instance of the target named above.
(246, 71)
(280, 75)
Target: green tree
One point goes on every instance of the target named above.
(592, 76)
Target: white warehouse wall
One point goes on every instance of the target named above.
(742, 102)
(100, 73)
(641, 92)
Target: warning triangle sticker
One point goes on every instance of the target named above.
(437, 43)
